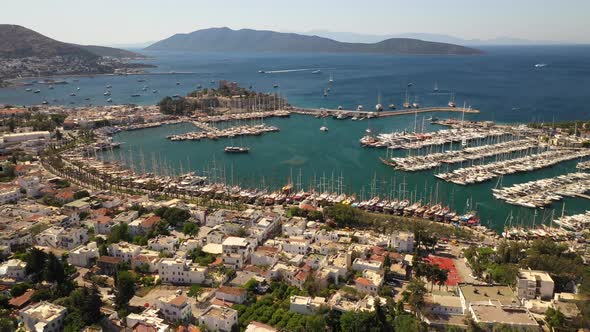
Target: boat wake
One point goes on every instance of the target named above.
(288, 71)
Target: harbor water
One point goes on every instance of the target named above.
(503, 83)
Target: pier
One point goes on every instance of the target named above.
(211, 132)
(383, 114)
(482, 173)
(541, 193)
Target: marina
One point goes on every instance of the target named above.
(210, 132)
(541, 157)
(583, 165)
(542, 193)
(478, 153)
(575, 223)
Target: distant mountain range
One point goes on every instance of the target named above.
(352, 37)
(19, 42)
(247, 40)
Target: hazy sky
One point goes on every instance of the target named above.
(134, 21)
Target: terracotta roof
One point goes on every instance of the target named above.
(223, 303)
(100, 212)
(150, 222)
(377, 258)
(20, 301)
(302, 275)
(190, 328)
(217, 261)
(232, 290)
(109, 259)
(102, 220)
(267, 249)
(143, 327)
(178, 301)
(364, 281)
(65, 194)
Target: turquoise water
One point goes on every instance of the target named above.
(301, 146)
(503, 84)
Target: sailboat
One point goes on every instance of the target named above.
(435, 87)
(331, 80)
(379, 107)
(452, 101)
(324, 127)
(407, 101)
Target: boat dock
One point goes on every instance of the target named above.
(381, 114)
(429, 161)
(583, 165)
(541, 193)
(211, 132)
(482, 173)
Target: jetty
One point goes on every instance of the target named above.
(541, 193)
(381, 114)
(429, 161)
(584, 165)
(482, 173)
(213, 133)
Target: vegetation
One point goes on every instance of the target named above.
(176, 106)
(83, 306)
(124, 289)
(200, 257)
(174, 216)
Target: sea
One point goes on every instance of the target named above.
(504, 84)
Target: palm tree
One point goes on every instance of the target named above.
(414, 295)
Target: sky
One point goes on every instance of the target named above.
(111, 22)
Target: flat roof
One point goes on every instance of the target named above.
(487, 313)
(486, 293)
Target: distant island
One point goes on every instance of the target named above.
(256, 41)
(26, 53)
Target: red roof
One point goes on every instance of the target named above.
(217, 301)
(301, 275)
(364, 281)
(102, 220)
(20, 301)
(109, 260)
(232, 290)
(446, 263)
(150, 222)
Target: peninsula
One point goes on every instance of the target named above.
(257, 41)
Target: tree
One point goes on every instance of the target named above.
(81, 194)
(54, 270)
(119, 233)
(195, 291)
(19, 289)
(35, 260)
(190, 228)
(554, 318)
(7, 324)
(414, 295)
(406, 323)
(125, 289)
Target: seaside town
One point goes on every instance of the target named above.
(90, 244)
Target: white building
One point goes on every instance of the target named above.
(218, 318)
(175, 308)
(60, 237)
(163, 243)
(306, 305)
(231, 294)
(360, 264)
(124, 250)
(265, 255)
(148, 319)
(402, 242)
(23, 137)
(294, 226)
(181, 271)
(9, 193)
(83, 255)
(369, 283)
(444, 305)
(531, 284)
(43, 317)
(236, 245)
(13, 269)
(296, 246)
(126, 217)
